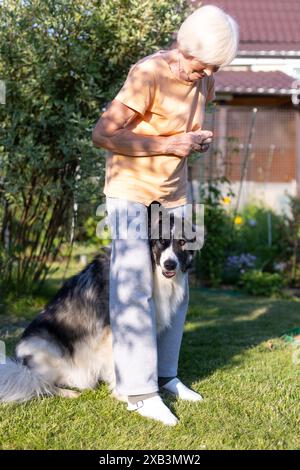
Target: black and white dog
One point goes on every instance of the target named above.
(69, 344)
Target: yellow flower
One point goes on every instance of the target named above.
(238, 220)
(226, 200)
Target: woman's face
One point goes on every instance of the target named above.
(196, 69)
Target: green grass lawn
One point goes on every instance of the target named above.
(231, 353)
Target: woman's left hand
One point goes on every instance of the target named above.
(204, 146)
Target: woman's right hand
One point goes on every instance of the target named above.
(183, 145)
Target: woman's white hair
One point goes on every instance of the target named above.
(210, 35)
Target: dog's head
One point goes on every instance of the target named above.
(168, 241)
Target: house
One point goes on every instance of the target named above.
(256, 118)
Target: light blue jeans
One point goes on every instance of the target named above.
(140, 356)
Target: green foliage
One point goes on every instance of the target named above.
(237, 243)
(90, 228)
(62, 62)
(236, 265)
(262, 283)
(218, 227)
(291, 241)
(260, 233)
(246, 248)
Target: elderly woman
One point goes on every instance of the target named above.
(150, 128)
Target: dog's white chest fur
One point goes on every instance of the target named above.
(168, 294)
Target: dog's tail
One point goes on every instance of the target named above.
(20, 383)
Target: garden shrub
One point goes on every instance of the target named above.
(256, 282)
(252, 235)
(236, 265)
(218, 228)
(62, 63)
(291, 241)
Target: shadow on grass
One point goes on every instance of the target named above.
(219, 327)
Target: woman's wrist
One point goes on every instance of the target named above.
(171, 143)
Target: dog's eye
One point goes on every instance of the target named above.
(181, 242)
(162, 241)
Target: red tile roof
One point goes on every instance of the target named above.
(265, 25)
(265, 83)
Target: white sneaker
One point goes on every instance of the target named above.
(154, 408)
(176, 387)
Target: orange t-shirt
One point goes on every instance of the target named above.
(164, 104)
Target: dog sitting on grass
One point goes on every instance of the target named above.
(69, 344)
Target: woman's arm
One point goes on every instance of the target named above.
(110, 133)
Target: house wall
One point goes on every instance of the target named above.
(272, 195)
(290, 66)
(270, 155)
(267, 164)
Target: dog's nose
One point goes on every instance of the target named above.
(170, 265)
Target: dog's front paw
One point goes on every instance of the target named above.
(66, 393)
(118, 396)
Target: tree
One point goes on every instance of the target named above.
(62, 62)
